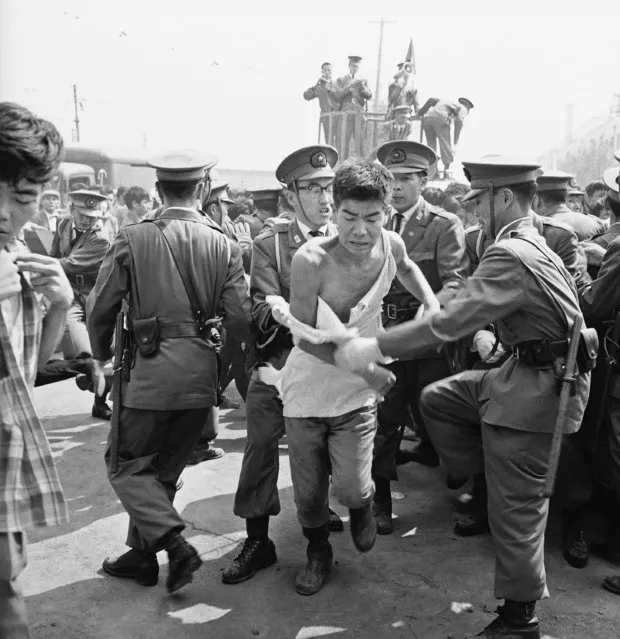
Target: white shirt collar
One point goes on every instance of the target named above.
(507, 226)
(305, 229)
(409, 213)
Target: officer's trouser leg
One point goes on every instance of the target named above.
(574, 484)
(429, 131)
(153, 449)
(392, 417)
(75, 340)
(12, 605)
(445, 144)
(516, 464)
(257, 491)
(451, 410)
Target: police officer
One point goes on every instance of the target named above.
(553, 187)
(308, 175)
(479, 418)
(80, 243)
(435, 241)
(351, 94)
(173, 367)
(400, 127)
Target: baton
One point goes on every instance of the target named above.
(568, 379)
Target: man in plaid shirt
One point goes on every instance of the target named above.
(30, 492)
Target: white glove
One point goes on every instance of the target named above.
(242, 231)
(359, 354)
(484, 342)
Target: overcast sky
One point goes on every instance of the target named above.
(228, 77)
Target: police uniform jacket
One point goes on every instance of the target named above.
(351, 94)
(141, 267)
(586, 226)
(602, 296)
(435, 241)
(609, 236)
(80, 257)
(560, 238)
(270, 274)
(506, 290)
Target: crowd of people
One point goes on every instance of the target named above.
(354, 283)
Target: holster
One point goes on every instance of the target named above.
(588, 349)
(146, 336)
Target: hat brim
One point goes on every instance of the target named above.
(472, 195)
(610, 177)
(323, 172)
(88, 212)
(396, 170)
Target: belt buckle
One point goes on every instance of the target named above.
(79, 280)
(391, 311)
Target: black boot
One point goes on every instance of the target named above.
(382, 506)
(319, 561)
(134, 564)
(183, 562)
(424, 453)
(363, 527)
(515, 620)
(576, 550)
(100, 409)
(478, 522)
(335, 524)
(258, 552)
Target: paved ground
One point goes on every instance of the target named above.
(406, 587)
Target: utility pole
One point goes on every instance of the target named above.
(77, 119)
(381, 23)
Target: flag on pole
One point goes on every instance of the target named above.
(410, 57)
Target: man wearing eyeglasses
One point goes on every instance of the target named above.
(308, 176)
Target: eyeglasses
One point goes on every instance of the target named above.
(317, 189)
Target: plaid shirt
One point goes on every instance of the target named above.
(30, 491)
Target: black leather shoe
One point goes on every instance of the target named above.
(335, 524)
(382, 512)
(612, 584)
(472, 526)
(514, 621)
(576, 550)
(101, 411)
(320, 558)
(183, 562)
(204, 453)
(257, 553)
(423, 453)
(363, 528)
(136, 565)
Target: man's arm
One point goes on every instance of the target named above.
(105, 300)
(264, 280)
(410, 275)
(235, 298)
(310, 94)
(567, 249)
(87, 257)
(602, 296)
(452, 261)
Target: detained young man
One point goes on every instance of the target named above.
(330, 413)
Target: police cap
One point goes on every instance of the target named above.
(218, 193)
(186, 165)
(309, 163)
(611, 177)
(405, 156)
(466, 102)
(87, 202)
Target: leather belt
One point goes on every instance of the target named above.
(393, 312)
(175, 330)
(540, 352)
(81, 281)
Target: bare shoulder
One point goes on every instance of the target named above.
(313, 255)
(398, 246)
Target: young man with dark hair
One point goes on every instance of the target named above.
(30, 150)
(345, 278)
(139, 204)
(596, 192)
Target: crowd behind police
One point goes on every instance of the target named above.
(509, 290)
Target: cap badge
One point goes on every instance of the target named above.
(90, 203)
(318, 160)
(397, 156)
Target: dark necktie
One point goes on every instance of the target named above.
(397, 222)
(316, 234)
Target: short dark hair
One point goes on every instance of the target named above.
(326, 64)
(433, 195)
(524, 192)
(120, 191)
(456, 189)
(242, 206)
(178, 190)
(135, 195)
(554, 197)
(30, 147)
(596, 185)
(360, 180)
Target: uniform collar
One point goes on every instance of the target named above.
(416, 209)
(178, 213)
(515, 225)
(305, 229)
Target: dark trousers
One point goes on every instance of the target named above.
(12, 605)
(257, 491)
(411, 378)
(56, 370)
(154, 446)
(233, 366)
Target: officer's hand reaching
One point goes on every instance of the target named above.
(484, 343)
(242, 231)
(358, 354)
(10, 282)
(47, 278)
